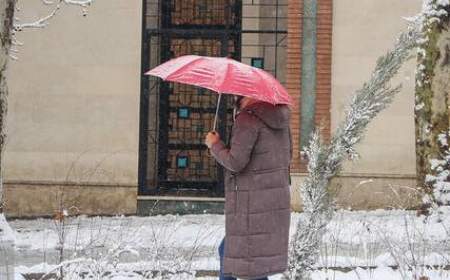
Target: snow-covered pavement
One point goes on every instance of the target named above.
(358, 245)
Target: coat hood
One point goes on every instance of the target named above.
(274, 116)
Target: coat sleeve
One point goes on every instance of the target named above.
(243, 140)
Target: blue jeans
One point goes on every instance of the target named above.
(221, 276)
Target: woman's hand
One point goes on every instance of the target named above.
(211, 138)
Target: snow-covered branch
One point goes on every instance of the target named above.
(325, 161)
(42, 22)
(39, 23)
(56, 6)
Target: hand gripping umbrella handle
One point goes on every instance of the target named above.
(217, 111)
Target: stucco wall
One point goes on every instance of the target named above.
(74, 99)
(363, 30)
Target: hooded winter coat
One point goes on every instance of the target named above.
(257, 197)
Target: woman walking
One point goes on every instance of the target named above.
(257, 197)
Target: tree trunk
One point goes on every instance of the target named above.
(6, 28)
(432, 101)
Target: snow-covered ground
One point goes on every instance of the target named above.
(358, 245)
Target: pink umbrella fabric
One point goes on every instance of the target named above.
(223, 75)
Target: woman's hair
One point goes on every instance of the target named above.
(237, 105)
(237, 102)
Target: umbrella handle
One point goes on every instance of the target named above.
(217, 111)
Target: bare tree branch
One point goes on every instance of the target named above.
(44, 21)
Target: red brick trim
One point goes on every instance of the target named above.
(293, 73)
(323, 72)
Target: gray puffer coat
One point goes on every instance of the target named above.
(257, 197)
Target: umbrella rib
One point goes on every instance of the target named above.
(190, 63)
(261, 78)
(224, 78)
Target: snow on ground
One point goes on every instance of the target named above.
(369, 239)
(382, 273)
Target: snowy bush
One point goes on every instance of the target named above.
(122, 248)
(440, 180)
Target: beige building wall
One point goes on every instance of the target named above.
(74, 109)
(73, 117)
(384, 176)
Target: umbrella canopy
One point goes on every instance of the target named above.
(223, 75)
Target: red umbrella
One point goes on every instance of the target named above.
(223, 75)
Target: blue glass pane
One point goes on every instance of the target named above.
(182, 161)
(183, 113)
(258, 62)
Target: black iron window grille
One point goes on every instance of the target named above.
(174, 118)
